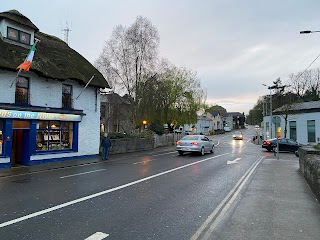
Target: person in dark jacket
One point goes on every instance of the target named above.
(106, 145)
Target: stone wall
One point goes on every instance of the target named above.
(131, 145)
(139, 144)
(309, 161)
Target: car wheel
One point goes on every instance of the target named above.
(296, 153)
(202, 151)
(180, 153)
(212, 150)
(269, 150)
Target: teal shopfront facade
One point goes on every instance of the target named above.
(24, 134)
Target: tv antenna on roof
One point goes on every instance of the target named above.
(65, 31)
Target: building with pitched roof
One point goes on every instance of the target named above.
(46, 114)
(300, 121)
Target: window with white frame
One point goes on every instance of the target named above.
(18, 35)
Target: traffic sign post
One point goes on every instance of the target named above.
(276, 120)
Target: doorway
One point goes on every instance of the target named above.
(20, 143)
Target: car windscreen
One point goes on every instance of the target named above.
(190, 137)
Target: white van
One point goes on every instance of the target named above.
(227, 129)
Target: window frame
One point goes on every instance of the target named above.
(66, 94)
(1, 137)
(19, 35)
(293, 129)
(311, 134)
(22, 87)
(70, 129)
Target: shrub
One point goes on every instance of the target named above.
(117, 135)
(145, 134)
(157, 127)
(317, 146)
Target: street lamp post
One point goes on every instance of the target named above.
(270, 127)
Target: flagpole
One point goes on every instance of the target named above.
(85, 86)
(15, 79)
(20, 69)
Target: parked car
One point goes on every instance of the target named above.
(237, 135)
(285, 144)
(195, 144)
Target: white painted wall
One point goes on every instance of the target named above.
(48, 93)
(301, 123)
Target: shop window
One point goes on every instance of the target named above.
(66, 96)
(54, 135)
(18, 36)
(22, 90)
(311, 130)
(1, 136)
(293, 130)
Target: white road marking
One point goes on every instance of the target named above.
(83, 173)
(154, 156)
(63, 205)
(97, 236)
(225, 204)
(234, 161)
(162, 154)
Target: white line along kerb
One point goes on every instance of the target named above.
(32, 215)
(225, 204)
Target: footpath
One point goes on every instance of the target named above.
(278, 204)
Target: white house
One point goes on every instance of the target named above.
(302, 125)
(217, 122)
(44, 113)
(203, 125)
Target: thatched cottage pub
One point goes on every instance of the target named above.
(52, 111)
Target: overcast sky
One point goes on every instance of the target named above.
(234, 45)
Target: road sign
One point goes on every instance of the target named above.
(174, 122)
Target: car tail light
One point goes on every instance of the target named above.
(194, 143)
(178, 143)
(267, 142)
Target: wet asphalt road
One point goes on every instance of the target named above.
(149, 195)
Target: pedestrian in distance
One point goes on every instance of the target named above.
(106, 145)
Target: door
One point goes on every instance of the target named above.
(20, 143)
(16, 157)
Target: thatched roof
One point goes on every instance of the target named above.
(17, 17)
(53, 59)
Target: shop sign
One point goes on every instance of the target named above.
(39, 115)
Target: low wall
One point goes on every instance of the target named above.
(166, 140)
(124, 145)
(131, 145)
(309, 161)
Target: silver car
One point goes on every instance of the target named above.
(195, 143)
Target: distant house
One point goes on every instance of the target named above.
(217, 122)
(303, 122)
(115, 113)
(43, 117)
(227, 120)
(203, 125)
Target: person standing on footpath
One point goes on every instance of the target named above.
(105, 144)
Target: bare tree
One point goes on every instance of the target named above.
(130, 54)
